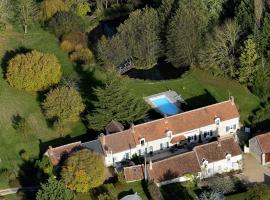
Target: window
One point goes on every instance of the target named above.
(151, 149)
(230, 127)
(217, 121)
(127, 156)
(195, 137)
(167, 144)
(234, 126)
(161, 146)
(207, 134)
(142, 141)
(140, 152)
(211, 133)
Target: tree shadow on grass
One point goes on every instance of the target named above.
(175, 191)
(199, 101)
(125, 193)
(9, 55)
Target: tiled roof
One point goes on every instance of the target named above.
(217, 150)
(264, 142)
(118, 142)
(56, 153)
(179, 123)
(134, 173)
(174, 167)
(178, 138)
(114, 126)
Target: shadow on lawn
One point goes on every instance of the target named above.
(199, 101)
(9, 55)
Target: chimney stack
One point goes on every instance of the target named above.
(102, 139)
(232, 100)
(132, 128)
(150, 164)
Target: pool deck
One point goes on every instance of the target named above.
(171, 95)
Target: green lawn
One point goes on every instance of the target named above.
(199, 88)
(14, 102)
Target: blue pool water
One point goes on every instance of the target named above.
(165, 106)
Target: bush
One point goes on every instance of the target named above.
(74, 41)
(34, 71)
(82, 56)
(63, 104)
(66, 22)
(154, 191)
(221, 184)
(83, 170)
(258, 192)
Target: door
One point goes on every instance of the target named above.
(267, 157)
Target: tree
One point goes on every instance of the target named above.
(261, 84)
(83, 8)
(263, 38)
(211, 195)
(26, 11)
(219, 52)
(214, 8)
(185, 33)
(137, 38)
(33, 71)
(63, 104)
(49, 8)
(258, 10)
(115, 101)
(6, 13)
(258, 192)
(221, 185)
(66, 22)
(83, 170)
(54, 190)
(245, 15)
(248, 62)
(165, 11)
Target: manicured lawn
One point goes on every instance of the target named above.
(178, 191)
(199, 89)
(14, 102)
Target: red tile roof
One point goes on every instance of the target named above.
(56, 153)
(174, 167)
(264, 142)
(134, 173)
(179, 123)
(118, 142)
(217, 150)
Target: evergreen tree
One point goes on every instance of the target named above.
(185, 32)
(214, 8)
(54, 190)
(263, 38)
(261, 85)
(248, 62)
(245, 15)
(115, 101)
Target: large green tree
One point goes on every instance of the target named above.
(33, 71)
(261, 83)
(115, 101)
(137, 38)
(245, 15)
(64, 104)
(248, 62)
(219, 52)
(48, 8)
(185, 32)
(214, 8)
(26, 12)
(83, 170)
(54, 190)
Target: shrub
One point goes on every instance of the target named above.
(34, 71)
(221, 184)
(67, 46)
(49, 8)
(63, 104)
(76, 38)
(83, 56)
(83, 170)
(66, 22)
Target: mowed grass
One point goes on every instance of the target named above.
(14, 102)
(199, 89)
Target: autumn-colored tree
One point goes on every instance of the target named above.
(83, 170)
(63, 104)
(49, 8)
(33, 71)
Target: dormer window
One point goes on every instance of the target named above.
(228, 156)
(217, 121)
(142, 141)
(204, 162)
(169, 133)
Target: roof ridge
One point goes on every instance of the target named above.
(177, 155)
(69, 144)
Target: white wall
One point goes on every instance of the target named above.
(222, 127)
(176, 180)
(223, 166)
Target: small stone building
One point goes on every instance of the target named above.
(259, 147)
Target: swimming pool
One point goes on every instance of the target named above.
(164, 105)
